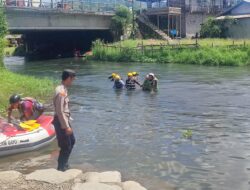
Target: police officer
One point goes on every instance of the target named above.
(64, 132)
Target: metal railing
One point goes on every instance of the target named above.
(108, 6)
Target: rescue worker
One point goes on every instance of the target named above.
(64, 132)
(112, 76)
(135, 75)
(131, 82)
(118, 83)
(29, 108)
(150, 83)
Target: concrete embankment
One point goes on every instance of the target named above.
(72, 179)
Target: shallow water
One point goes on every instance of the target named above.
(141, 134)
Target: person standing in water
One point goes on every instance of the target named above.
(118, 82)
(131, 82)
(150, 83)
(64, 132)
(112, 76)
(135, 75)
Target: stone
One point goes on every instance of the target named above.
(9, 176)
(95, 186)
(53, 176)
(77, 180)
(132, 185)
(103, 177)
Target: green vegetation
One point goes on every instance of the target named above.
(9, 51)
(26, 85)
(187, 134)
(15, 83)
(3, 32)
(121, 21)
(208, 52)
(14, 51)
(216, 28)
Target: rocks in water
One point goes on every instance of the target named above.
(53, 176)
(132, 185)
(95, 186)
(103, 177)
(8, 176)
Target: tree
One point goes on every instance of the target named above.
(216, 28)
(121, 21)
(3, 24)
(3, 32)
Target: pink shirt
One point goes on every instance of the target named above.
(26, 108)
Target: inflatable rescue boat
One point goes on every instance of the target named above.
(27, 137)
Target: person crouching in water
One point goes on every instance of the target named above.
(150, 83)
(131, 82)
(118, 82)
(29, 108)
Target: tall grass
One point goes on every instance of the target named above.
(26, 85)
(214, 53)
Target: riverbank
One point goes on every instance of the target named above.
(214, 52)
(12, 83)
(72, 179)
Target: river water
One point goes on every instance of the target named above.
(141, 134)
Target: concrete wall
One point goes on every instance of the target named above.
(242, 9)
(240, 30)
(21, 20)
(193, 23)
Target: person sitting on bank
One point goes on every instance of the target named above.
(131, 82)
(150, 83)
(118, 82)
(112, 76)
(29, 108)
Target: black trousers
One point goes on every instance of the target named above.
(66, 144)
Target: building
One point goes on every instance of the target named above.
(240, 26)
(198, 11)
(209, 6)
(184, 16)
(167, 15)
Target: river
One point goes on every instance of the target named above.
(141, 134)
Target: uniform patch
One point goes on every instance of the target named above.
(62, 93)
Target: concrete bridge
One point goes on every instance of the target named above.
(59, 26)
(74, 15)
(21, 20)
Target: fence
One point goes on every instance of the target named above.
(70, 5)
(152, 49)
(147, 49)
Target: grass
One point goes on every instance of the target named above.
(12, 83)
(214, 52)
(9, 51)
(202, 42)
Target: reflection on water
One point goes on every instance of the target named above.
(140, 134)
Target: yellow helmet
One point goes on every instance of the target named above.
(117, 77)
(130, 74)
(135, 73)
(113, 74)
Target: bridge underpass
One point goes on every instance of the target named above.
(57, 32)
(57, 44)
